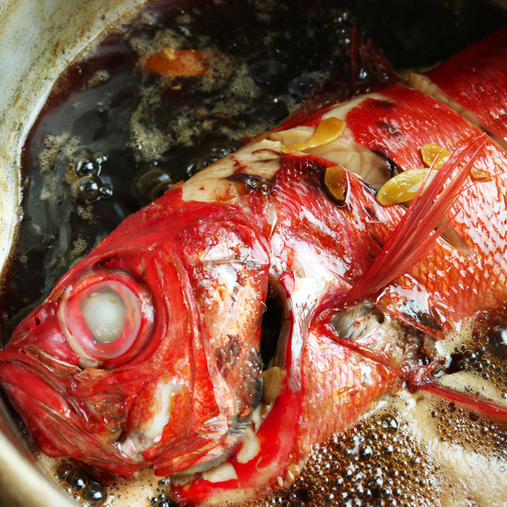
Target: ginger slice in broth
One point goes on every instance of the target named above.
(404, 186)
(183, 63)
(434, 156)
(326, 132)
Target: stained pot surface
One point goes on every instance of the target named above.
(37, 40)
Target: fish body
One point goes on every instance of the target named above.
(473, 83)
(174, 379)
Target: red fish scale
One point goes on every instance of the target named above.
(476, 78)
(482, 222)
(306, 214)
(404, 122)
(465, 284)
(479, 214)
(339, 383)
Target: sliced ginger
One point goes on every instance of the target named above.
(326, 132)
(335, 180)
(434, 156)
(404, 186)
(184, 63)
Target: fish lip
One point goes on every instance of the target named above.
(61, 424)
(38, 364)
(24, 378)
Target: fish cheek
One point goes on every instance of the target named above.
(231, 299)
(160, 413)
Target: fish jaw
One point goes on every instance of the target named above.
(277, 438)
(169, 398)
(337, 385)
(41, 389)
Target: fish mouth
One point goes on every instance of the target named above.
(239, 427)
(41, 394)
(54, 418)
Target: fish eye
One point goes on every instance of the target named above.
(107, 318)
(104, 312)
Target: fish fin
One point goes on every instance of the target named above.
(369, 69)
(420, 380)
(456, 240)
(376, 356)
(419, 228)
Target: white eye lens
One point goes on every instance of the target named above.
(104, 313)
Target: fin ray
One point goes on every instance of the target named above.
(404, 248)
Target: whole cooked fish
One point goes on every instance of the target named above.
(378, 225)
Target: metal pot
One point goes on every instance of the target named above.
(37, 41)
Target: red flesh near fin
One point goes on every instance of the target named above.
(397, 122)
(415, 234)
(476, 78)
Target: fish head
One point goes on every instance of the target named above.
(146, 353)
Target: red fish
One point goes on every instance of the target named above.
(473, 83)
(147, 352)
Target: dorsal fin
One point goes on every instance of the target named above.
(369, 69)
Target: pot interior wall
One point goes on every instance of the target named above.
(37, 40)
